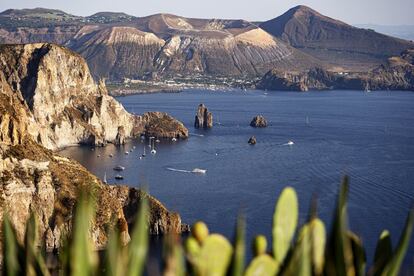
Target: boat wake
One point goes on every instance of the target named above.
(196, 170)
(178, 170)
(290, 143)
(198, 135)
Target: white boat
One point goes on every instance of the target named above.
(153, 151)
(119, 177)
(104, 180)
(127, 152)
(197, 170)
(157, 141)
(290, 143)
(119, 168)
(174, 139)
(144, 153)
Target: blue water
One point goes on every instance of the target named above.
(367, 136)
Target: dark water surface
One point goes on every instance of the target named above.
(369, 137)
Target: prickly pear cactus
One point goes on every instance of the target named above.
(209, 255)
(262, 265)
(285, 220)
(259, 245)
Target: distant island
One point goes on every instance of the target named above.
(165, 52)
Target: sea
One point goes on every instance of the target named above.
(368, 137)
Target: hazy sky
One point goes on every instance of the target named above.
(387, 12)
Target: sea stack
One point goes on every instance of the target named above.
(252, 141)
(203, 118)
(258, 121)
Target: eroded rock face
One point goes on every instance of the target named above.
(258, 121)
(66, 107)
(397, 74)
(203, 118)
(36, 180)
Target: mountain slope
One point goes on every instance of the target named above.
(118, 45)
(333, 41)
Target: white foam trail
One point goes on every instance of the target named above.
(177, 170)
(199, 135)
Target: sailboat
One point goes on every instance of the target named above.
(153, 151)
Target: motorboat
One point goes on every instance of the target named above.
(200, 171)
(174, 139)
(127, 152)
(290, 143)
(111, 155)
(119, 177)
(104, 180)
(119, 168)
(153, 151)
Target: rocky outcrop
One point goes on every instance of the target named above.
(162, 125)
(66, 107)
(203, 118)
(36, 180)
(258, 121)
(397, 74)
(252, 140)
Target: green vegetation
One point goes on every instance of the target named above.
(304, 251)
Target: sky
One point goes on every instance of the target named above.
(381, 12)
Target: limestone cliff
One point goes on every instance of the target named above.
(65, 105)
(35, 179)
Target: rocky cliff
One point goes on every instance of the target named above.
(203, 117)
(35, 179)
(66, 106)
(396, 74)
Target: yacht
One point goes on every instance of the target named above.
(119, 168)
(197, 170)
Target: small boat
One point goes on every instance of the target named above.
(119, 168)
(174, 139)
(98, 155)
(104, 180)
(153, 151)
(144, 153)
(200, 171)
(127, 152)
(290, 143)
(119, 177)
(111, 155)
(134, 147)
(157, 141)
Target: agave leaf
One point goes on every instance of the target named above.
(262, 265)
(339, 259)
(318, 241)
(115, 255)
(360, 259)
(214, 256)
(300, 262)
(174, 259)
(11, 249)
(285, 220)
(138, 247)
(383, 253)
(83, 258)
(393, 266)
(34, 262)
(239, 247)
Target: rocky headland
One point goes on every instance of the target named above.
(48, 99)
(396, 74)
